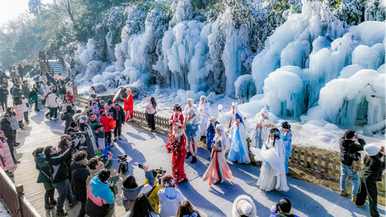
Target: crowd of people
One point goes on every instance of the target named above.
(79, 167)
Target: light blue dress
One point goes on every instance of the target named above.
(287, 140)
(235, 140)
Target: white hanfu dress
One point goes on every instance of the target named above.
(272, 176)
(205, 113)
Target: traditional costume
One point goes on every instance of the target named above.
(286, 136)
(218, 169)
(239, 149)
(211, 132)
(177, 117)
(272, 175)
(189, 106)
(261, 132)
(191, 124)
(205, 113)
(128, 106)
(176, 146)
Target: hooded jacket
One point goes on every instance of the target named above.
(44, 169)
(93, 172)
(6, 160)
(129, 194)
(243, 205)
(59, 167)
(52, 101)
(374, 166)
(3, 94)
(169, 198)
(5, 125)
(78, 181)
(349, 149)
(118, 115)
(99, 198)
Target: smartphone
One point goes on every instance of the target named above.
(140, 166)
(383, 149)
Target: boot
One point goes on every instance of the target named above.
(188, 155)
(61, 213)
(194, 160)
(344, 193)
(353, 198)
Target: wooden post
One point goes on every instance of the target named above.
(319, 162)
(299, 156)
(306, 159)
(293, 155)
(312, 161)
(334, 167)
(327, 162)
(20, 195)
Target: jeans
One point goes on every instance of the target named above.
(26, 117)
(64, 191)
(36, 105)
(4, 105)
(368, 188)
(54, 112)
(82, 211)
(118, 129)
(344, 171)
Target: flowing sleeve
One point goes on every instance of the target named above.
(207, 109)
(244, 142)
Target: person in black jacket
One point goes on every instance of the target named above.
(67, 117)
(348, 153)
(119, 117)
(3, 97)
(60, 176)
(5, 125)
(80, 174)
(17, 92)
(26, 91)
(372, 173)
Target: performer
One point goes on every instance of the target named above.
(218, 169)
(128, 106)
(189, 106)
(204, 111)
(286, 136)
(176, 146)
(239, 149)
(272, 175)
(211, 132)
(261, 132)
(177, 117)
(228, 118)
(191, 125)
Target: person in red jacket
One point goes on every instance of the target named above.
(105, 121)
(177, 117)
(128, 105)
(70, 96)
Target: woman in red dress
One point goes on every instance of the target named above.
(128, 105)
(177, 117)
(176, 146)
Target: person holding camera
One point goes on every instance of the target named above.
(90, 142)
(95, 165)
(67, 117)
(349, 162)
(169, 197)
(141, 208)
(80, 174)
(130, 188)
(282, 209)
(100, 198)
(372, 173)
(60, 176)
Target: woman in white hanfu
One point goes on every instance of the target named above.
(228, 118)
(204, 111)
(239, 148)
(261, 132)
(272, 175)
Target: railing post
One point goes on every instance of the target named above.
(20, 195)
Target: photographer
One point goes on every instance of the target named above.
(131, 190)
(80, 174)
(96, 165)
(90, 136)
(282, 209)
(60, 176)
(153, 194)
(372, 173)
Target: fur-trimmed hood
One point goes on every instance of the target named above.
(243, 205)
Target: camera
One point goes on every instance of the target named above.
(123, 165)
(76, 134)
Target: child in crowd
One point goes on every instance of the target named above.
(95, 107)
(100, 137)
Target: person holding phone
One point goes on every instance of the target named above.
(349, 152)
(372, 173)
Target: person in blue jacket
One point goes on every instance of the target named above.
(286, 136)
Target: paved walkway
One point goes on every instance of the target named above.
(143, 147)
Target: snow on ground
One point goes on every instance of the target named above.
(308, 133)
(3, 211)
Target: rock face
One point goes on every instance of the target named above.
(100, 88)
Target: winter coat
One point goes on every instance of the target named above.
(25, 90)
(58, 165)
(118, 114)
(52, 101)
(93, 172)
(69, 96)
(25, 107)
(3, 94)
(95, 108)
(99, 198)
(107, 109)
(79, 178)
(169, 199)
(105, 122)
(14, 123)
(44, 169)
(100, 139)
(19, 109)
(17, 93)
(374, 167)
(93, 123)
(237, 203)
(67, 117)
(34, 95)
(5, 126)
(349, 150)
(129, 194)
(6, 160)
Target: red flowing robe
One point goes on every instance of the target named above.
(129, 106)
(178, 158)
(176, 118)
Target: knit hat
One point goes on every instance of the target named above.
(243, 206)
(371, 150)
(101, 111)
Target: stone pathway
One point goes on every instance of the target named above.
(143, 147)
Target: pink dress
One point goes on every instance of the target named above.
(218, 169)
